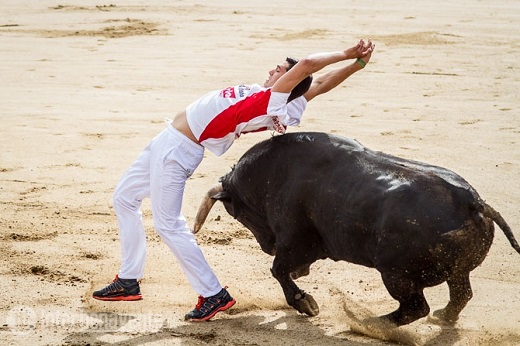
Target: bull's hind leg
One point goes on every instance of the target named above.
(460, 295)
(412, 304)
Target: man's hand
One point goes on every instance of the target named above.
(362, 50)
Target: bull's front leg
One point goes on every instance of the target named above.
(298, 299)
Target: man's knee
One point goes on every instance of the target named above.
(173, 230)
(122, 203)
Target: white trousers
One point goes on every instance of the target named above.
(160, 172)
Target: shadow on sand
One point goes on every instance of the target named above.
(231, 330)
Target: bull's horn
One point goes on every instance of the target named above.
(205, 207)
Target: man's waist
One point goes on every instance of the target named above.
(180, 123)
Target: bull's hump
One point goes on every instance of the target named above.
(347, 143)
(327, 139)
(303, 137)
(351, 145)
(392, 171)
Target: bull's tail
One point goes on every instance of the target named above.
(499, 220)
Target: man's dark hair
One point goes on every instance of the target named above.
(303, 86)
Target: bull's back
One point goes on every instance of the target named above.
(366, 206)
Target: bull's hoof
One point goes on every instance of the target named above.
(307, 305)
(442, 318)
(400, 318)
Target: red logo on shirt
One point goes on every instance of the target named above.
(278, 127)
(228, 93)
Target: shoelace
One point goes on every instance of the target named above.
(115, 286)
(208, 305)
(200, 302)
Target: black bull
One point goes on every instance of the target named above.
(310, 196)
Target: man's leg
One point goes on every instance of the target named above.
(168, 175)
(167, 181)
(133, 187)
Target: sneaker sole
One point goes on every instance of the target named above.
(222, 308)
(119, 298)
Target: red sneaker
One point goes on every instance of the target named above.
(208, 307)
(120, 289)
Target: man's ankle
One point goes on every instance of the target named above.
(128, 281)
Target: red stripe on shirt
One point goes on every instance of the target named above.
(241, 112)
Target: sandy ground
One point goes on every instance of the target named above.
(85, 85)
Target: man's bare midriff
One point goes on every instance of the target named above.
(180, 123)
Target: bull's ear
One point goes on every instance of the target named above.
(221, 196)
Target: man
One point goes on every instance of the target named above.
(213, 121)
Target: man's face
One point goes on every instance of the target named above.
(275, 74)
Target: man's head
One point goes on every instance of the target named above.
(280, 70)
(302, 87)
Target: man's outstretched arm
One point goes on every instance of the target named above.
(316, 62)
(332, 79)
